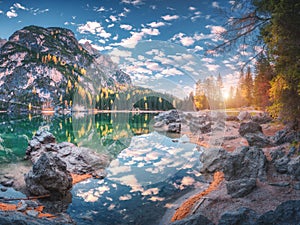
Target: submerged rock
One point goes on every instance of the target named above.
(49, 175)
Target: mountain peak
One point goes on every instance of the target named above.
(48, 64)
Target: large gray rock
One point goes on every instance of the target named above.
(79, 160)
(240, 188)
(262, 118)
(49, 175)
(286, 136)
(281, 164)
(212, 160)
(245, 162)
(249, 127)
(293, 167)
(242, 216)
(257, 139)
(287, 213)
(253, 133)
(18, 218)
(197, 219)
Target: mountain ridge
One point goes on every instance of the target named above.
(39, 65)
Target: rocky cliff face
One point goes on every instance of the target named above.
(41, 65)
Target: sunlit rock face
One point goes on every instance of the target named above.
(41, 65)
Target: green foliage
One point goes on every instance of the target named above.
(282, 38)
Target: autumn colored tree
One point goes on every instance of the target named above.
(264, 74)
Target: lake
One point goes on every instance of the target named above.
(149, 171)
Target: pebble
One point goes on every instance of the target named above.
(32, 213)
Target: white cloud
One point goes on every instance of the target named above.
(216, 29)
(183, 39)
(187, 41)
(19, 6)
(198, 48)
(101, 9)
(212, 67)
(93, 28)
(116, 54)
(84, 40)
(11, 14)
(111, 25)
(116, 37)
(156, 24)
(215, 5)
(132, 41)
(113, 18)
(208, 60)
(1, 12)
(171, 72)
(170, 17)
(133, 2)
(192, 8)
(151, 31)
(126, 26)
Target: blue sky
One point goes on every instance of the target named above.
(125, 28)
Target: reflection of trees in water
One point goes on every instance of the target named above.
(104, 132)
(109, 133)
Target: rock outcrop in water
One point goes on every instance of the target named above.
(78, 160)
(49, 176)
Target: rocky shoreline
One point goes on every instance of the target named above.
(259, 160)
(55, 168)
(262, 173)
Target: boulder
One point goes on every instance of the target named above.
(262, 118)
(257, 139)
(242, 216)
(281, 164)
(240, 188)
(287, 213)
(277, 154)
(197, 219)
(244, 163)
(170, 116)
(293, 167)
(286, 136)
(249, 127)
(244, 115)
(212, 160)
(252, 131)
(49, 175)
(79, 160)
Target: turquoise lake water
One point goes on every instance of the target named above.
(149, 170)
